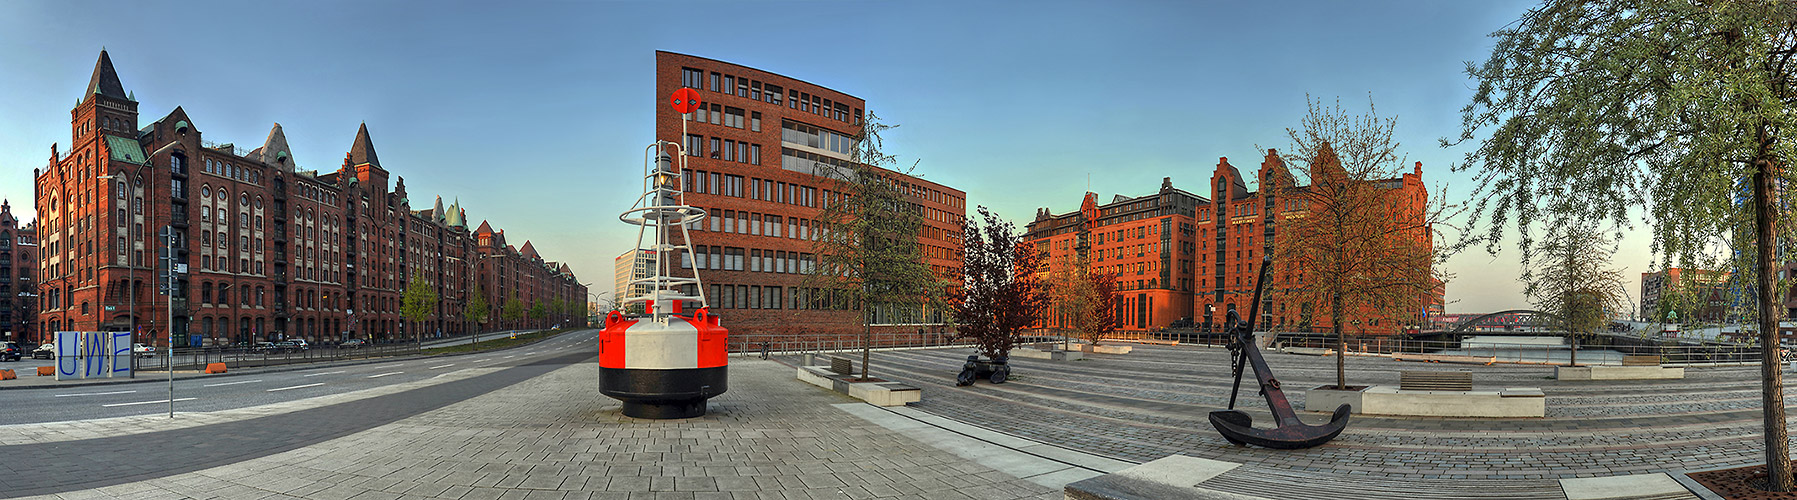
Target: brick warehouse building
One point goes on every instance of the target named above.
(272, 251)
(18, 268)
(755, 142)
(1183, 256)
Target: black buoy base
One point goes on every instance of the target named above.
(664, 394)
(664, 409)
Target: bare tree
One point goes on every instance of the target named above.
(1351, 240)
(1570, 278)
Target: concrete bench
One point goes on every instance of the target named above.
(1445, 358)
(1442, 394)
(1633, 368)
(875, 393)
(1052, 355)
(1435, 380)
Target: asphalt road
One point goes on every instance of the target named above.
(150, 395)
(93, 463)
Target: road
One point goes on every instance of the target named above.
(150, 395)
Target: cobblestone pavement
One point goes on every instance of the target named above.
(554, 436)
(1154, 402)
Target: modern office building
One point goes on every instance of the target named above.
(18, 268)
(628, 266)
(757, 144)
(270, 250)
(1181, 256)
(1698, 295)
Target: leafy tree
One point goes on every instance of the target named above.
(868, 255)
(1001, 291)
(475, 311)
(1346, 240)
(419, 301)
(1571, 280)
(1088, 299)
(538, 311)
(514, 309)
(1683, 109)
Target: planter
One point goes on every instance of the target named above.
(1612, 372)
(1327, 398)
(996, 370)
(1105, 349)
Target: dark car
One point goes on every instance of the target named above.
(44, 351)
(353, 343)
(10, 351)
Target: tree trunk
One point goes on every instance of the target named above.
(867, 337)
(1341, 343)
(1778, 470)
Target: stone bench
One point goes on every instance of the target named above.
(1433, 394)
(842, 366)
(1633, 368)
(1445, 358)
(1054, 355)
(875, 393)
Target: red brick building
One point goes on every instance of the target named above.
(18, 268)
(270, 250)
(1183, 256)
(755, 142)
(1147, 241)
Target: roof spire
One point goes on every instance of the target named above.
(362, 152)
(105, 80)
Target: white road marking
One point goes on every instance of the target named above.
(508, 357)
(384, 374)
(325, 373)
(93, 394)
(441, 366)
(145, 402)
(297, 387)
(232, 383)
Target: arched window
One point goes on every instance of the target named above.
(119, 189)
(205, 213)
(223, 196)
(138, 206)
(243, 200)
(206, 192)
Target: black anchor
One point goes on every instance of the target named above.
(1237, 426)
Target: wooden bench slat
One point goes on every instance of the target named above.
(1435, 381)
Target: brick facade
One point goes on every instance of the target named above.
(18, 272)
(271, 250)
(1184, 256)
(754, 146)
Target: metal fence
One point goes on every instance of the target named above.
(195, 358)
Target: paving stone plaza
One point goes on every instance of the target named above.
(545, 432)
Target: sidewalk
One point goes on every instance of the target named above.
(554, 436)
(29, 379)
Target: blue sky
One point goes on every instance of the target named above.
(535, 114)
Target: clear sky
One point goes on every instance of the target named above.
(535, 114)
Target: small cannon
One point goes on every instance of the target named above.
(1236, 425)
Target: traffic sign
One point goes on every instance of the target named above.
(684, 100)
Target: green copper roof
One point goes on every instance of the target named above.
(126, 150)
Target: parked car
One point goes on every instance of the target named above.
(354, 343)
(10, 351)
(143, 351)
(44, 351)
(265, 347)
(293, 345)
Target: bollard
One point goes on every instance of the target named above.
(215, 368)
(46, 371)
(8, 374)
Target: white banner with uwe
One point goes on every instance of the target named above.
(82, 355)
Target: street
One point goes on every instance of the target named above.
(149, 394)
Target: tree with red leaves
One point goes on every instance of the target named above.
(1002, 291)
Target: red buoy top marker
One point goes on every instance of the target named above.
(684, 100)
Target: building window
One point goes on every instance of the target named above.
(755, 121)
(714, 81)
(755, 153)
(691, 78)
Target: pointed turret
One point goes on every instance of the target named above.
(437, 213)
(105, 80)
(458, 217)
(275, 151)
(362, 152)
